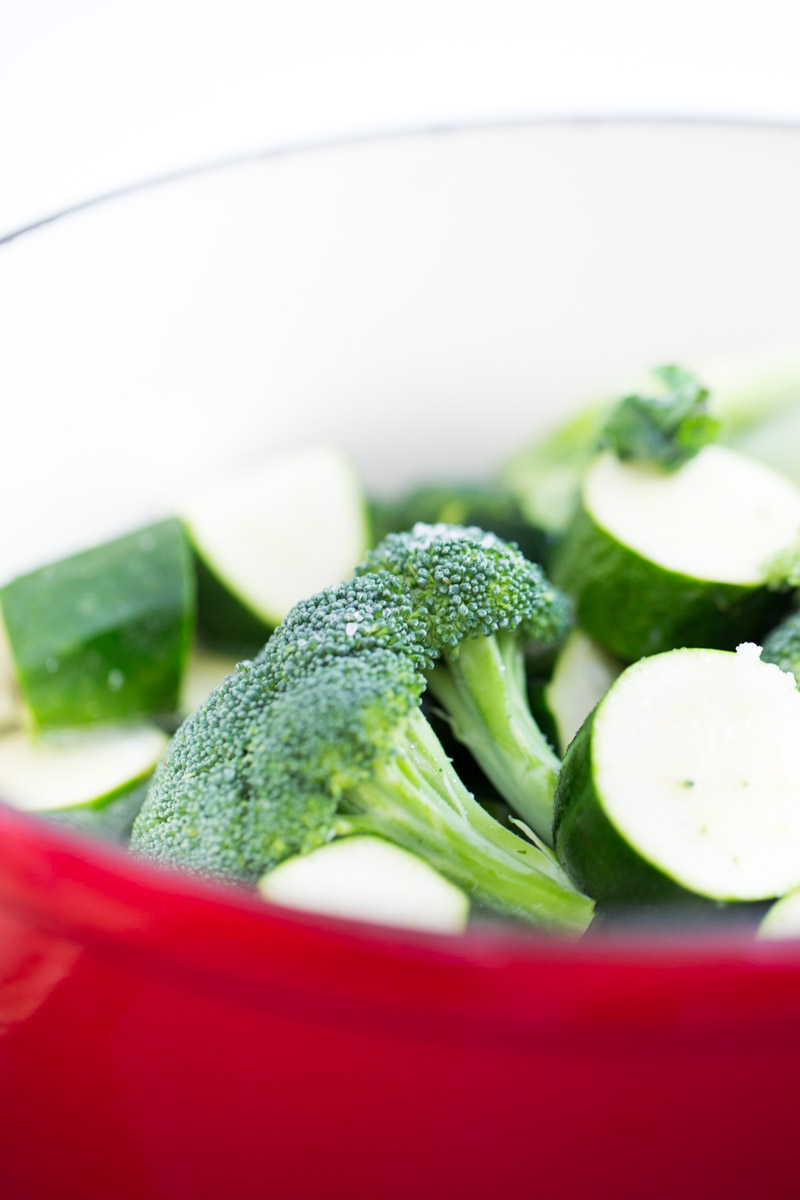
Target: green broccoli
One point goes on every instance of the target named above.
(322, 736)
(482, 602)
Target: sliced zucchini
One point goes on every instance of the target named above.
(658, 560)
(783, 918)
(271, 536)
(103, 636)
(85, 768)
(582, 675)
(112, 821)
(368, 879)
(683, 783)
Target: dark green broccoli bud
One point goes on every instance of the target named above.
(482, 601)
(351, 734)
(375, 612)
(667, 430)
(199, 811)
(782, 646)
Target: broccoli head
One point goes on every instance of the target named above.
(482, 602)
(322, 735)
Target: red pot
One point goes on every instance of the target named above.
(429, 301)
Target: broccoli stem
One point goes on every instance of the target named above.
(483, 692)
(415, 798)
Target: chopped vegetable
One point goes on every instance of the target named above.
(656, 561)
(322, 735)
(77, 769)
(482, 602)
(368, 879)
(103, 636)
(271, 535)
(683, 783)
(669, 429)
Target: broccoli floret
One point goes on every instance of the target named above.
(322, 735)
(199, 810)
(352, 732)
(482, 602)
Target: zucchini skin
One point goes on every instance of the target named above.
(636, 608)
(224, 622)
(120, 613)
(598, 860)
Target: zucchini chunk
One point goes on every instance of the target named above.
(783, 918)
(683, 783)
(658, 560)
(270, 536)
(77, 769)
(103, 636)
(582, 675)
(368, 879)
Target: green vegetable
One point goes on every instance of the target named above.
(783, 918)
(757, 405)
(368, 879)
(112, 822)
(77, 769)
(481, 602)
(546, 477)
(683, 783)
(322, 735)
(103, 636)
(668, 430)
(582, 675)
(269, 536)
(656, 560)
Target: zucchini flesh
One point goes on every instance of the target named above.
(656, 561)
(273, 535)
(79, 768)
(684, 783)
(368, 879)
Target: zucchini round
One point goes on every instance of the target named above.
(683, 783)
(658, 560)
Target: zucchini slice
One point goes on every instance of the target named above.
(659, 560)
(368, 879)
(77, 769)
(783, 918)
(271, 536)
(103, 636)
(683, 783)
(582, 675)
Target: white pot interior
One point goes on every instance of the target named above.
(428, 301)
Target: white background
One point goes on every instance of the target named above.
(95, 94)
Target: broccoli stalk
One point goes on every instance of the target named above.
(415, 798)
(482, 602)
(483, 692)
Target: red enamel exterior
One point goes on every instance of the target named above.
(161, 1039)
